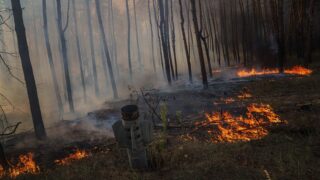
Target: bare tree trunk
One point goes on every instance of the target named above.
(79, 51)
(64, 50)
(114, 40)
(164, 38)
(106, 49)
(281, 35)
(186, 48)
(50, 58)
(198, 38)
(173, 41)
(204, 39)
(137, 35)
(310, 25)
(28, 71)
(3, 160)
(129, 40)
(93, 57)
(159, 38)
(152, 39)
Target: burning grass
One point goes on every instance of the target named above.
(77, 155)
(225, 127)
(296, 70)
(25, 165)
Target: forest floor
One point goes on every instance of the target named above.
(288, 151)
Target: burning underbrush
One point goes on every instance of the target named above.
(26, 164)
(77, 155)
(226, 127)
(296, 70)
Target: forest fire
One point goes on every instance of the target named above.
(26, 165)
(296, 70)
(225, 127)
(79, 154)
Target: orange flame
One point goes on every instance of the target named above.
(296, 70)
(299, 70)
(231, 128)
(79, 154)
(25, 165)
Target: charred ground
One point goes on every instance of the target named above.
(289, 150)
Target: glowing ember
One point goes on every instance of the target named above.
(79, 154)
(26, 165)
(229, 128)
(296, 70)
(229, 100)
(244, 95)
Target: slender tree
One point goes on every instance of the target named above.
(199, 45)
(92, 49)
(106, 49)
(165, 39)
(64, 51)
(185, 43)
(137, 36)
(27, 70)
(83, 84)
(152, 38)
(50, 58)
(129, 39)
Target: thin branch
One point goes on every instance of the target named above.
(9, 70)
(153, 110)
(15, 127)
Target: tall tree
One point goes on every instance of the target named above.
(199, 45)
(165, 38)
(106, 49)
(50, 58)
(114, 40)
(185, 43)
(93, 57)
(27, 70)
(152, 38)
(137, 35)
(173, 38)
(83, 84)
(62, 29)
(129, 39)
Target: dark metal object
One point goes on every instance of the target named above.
(134, 135)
